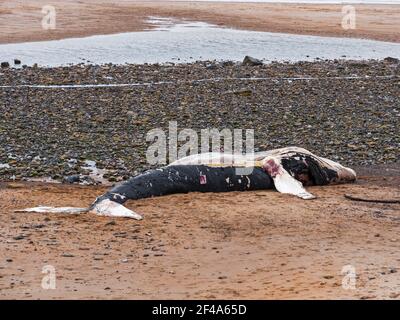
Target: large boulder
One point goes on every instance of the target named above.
(391, 60)
(250, 61)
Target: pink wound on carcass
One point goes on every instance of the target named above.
(203, 179)
(272, 168)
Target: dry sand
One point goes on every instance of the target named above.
(20, 20)
(231, 245)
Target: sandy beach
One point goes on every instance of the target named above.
(20, 20)
(247, 245)
(69, 131)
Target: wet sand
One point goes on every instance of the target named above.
(231, 245)
(20, 20)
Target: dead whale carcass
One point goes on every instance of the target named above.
(287, 169)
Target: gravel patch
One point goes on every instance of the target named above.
(353, 120)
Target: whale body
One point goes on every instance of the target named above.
(288, 170)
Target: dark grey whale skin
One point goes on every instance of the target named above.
(202, 178)
(187, 178)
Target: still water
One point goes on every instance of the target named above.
(183, 41)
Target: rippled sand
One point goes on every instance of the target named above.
(20, 20)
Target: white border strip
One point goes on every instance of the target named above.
(145, 84)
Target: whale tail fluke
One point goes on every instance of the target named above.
(103, 208)
(109, 208)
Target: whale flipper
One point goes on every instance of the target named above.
(283, 181)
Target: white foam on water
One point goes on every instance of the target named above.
(191, 41)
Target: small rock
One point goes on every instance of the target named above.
(67, 255)
(244, 92)
(392, 270)
(71, 179)
(250, 61)
(367, 297)
(5, 64)
(120, 234)
(17, 61)
(227, 63)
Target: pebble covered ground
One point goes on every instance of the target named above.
(51, 132)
